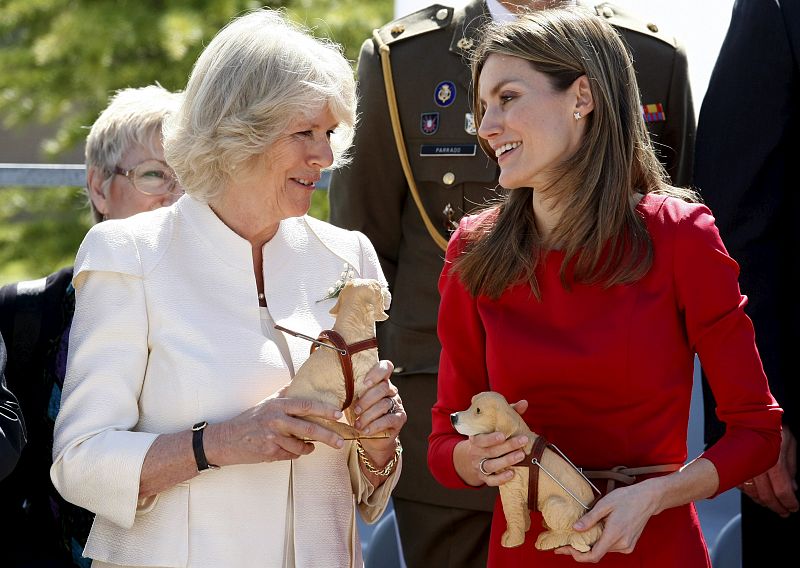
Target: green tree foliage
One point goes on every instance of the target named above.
(40, 230)
(60, 60)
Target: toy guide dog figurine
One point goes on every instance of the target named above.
(557, 488)
(341, 357)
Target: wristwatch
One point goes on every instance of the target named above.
(197, 446)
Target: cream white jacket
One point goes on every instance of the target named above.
(168, 332)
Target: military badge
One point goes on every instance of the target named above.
(429, 122)
(469, 124)
(465, 43)
(653, 113)
(445, 93)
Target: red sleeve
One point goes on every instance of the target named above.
(462, 366)
(706, 280)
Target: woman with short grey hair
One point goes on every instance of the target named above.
(126, 174)
(174, 428)
(126, 142)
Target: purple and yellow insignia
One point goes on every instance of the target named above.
(445, 93)
(653, 113)
(429, 122)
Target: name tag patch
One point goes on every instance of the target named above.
(449, 150)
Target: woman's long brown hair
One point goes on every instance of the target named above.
(604, 240)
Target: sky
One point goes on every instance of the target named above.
(700, 25)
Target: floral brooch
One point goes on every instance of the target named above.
(333, 292)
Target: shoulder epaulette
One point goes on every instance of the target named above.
(621, 17)
(428, 19)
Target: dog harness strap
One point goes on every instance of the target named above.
(346, 353)
(344, 360)
(342, 349)
(359, 346)
(533, 471)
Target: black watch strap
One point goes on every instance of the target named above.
(197, 446)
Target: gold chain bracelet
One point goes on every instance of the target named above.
(387, 470)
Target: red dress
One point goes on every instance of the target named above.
(608, 373)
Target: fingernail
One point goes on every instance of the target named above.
(366, 430)
(357, 424)
(578, 526)
(357, 409)
(339, 414)
(499, 437)
(339, 443)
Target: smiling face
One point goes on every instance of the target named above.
(279, 182)
(529, 125)
(294, 163)
(120, 199)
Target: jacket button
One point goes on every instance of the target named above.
(441, 14)
(449, 178)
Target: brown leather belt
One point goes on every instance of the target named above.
(618, 474)
(629, 475)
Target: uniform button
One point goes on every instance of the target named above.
(608, 11)
(441, 14)
(653, 28)
(449, 178)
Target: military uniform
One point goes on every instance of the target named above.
(428, 55)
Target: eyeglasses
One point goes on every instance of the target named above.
(151, 177)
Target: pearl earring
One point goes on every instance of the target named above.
(577, 115)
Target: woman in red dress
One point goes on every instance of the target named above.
(585, 293)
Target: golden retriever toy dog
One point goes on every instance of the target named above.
(490, 412)
(350, 350)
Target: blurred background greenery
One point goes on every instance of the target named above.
(60, 60)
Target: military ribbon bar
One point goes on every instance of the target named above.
(653, 113)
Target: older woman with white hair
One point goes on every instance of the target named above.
(174, 429)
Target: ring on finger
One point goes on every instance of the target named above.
(392, 406)
(480, 467)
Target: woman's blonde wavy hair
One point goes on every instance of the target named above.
(604, 239)
(258, 74)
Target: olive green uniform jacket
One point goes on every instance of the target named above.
(428, 57)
